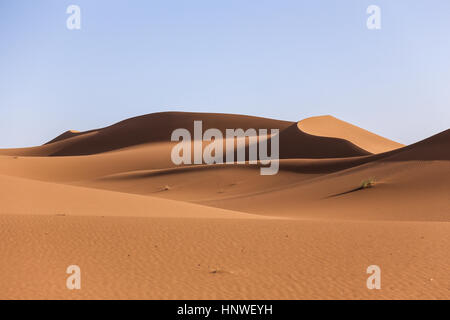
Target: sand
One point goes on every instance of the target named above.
(111, 201)
(329, 126)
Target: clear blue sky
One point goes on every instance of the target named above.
(281, 59)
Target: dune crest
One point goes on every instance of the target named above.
(329, 126)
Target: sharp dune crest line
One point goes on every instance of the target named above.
(112, 197)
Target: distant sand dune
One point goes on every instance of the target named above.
(158, 127)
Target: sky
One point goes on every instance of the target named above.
(279, 59)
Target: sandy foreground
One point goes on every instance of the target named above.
(163, 258)
(111, 201)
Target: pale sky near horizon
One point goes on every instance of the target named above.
(280, 59)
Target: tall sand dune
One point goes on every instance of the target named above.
(295, 143)
(158, 127)
(155, 127)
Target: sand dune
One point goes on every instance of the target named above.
(111, 200)
(158, 127)
(295, 143)
(436, 147)
(329, 126)
(155, 127)
(26, 197)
